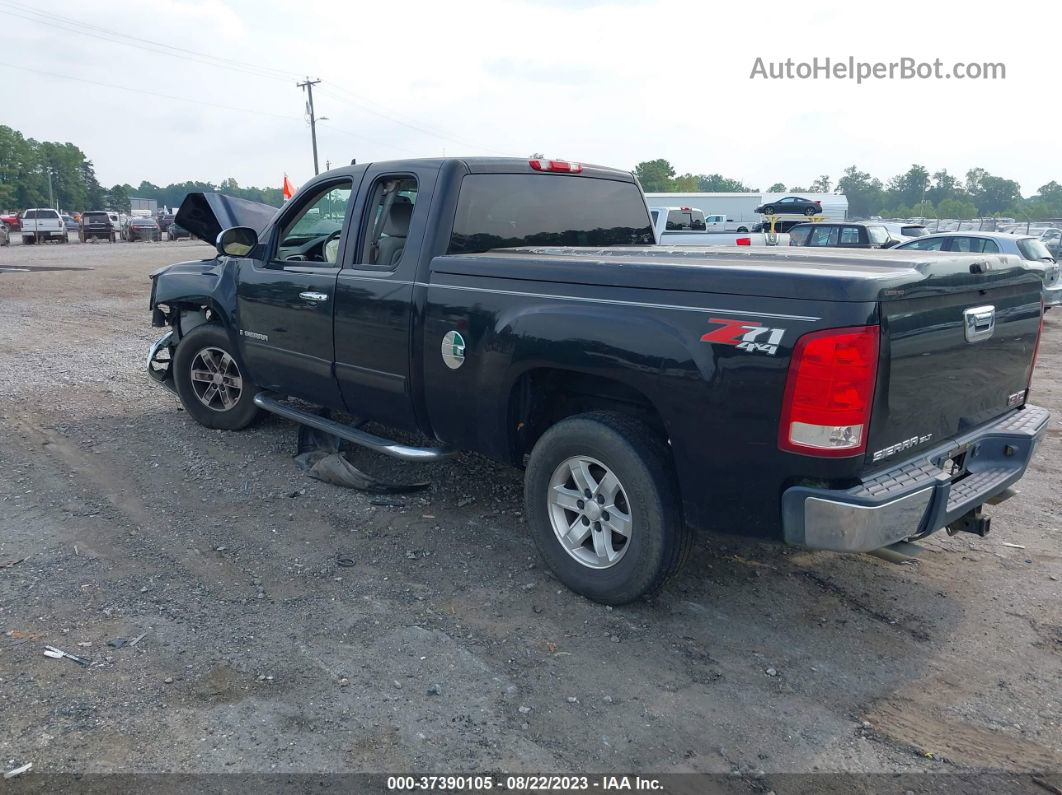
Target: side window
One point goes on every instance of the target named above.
(966, 245)
(386, 223)
(656, 215)
(877, 234)
(934, 244)
(798, 235)
(850, 236)
(990, 247)
(312, 234)
(824, 236)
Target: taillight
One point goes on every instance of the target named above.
(560, 166)
(829, 392)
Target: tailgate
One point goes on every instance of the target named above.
(953, 358)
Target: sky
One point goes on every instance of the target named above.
(175, 90)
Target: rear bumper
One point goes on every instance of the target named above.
(1053, 295)
(915, 497)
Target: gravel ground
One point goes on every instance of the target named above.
(446, 646)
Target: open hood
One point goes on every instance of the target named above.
(206, 215)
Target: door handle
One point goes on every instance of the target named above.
(313, 297)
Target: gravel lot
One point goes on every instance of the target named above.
(446, 646)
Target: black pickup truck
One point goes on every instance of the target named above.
(841, 400)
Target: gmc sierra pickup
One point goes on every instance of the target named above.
(835, 399)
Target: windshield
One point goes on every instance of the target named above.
(1033, 249)
(95, 217)
(913, 231)
(509, 210)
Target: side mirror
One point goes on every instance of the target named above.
(236, 241)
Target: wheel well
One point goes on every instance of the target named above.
(543, 397)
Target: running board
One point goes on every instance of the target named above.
(270, 402)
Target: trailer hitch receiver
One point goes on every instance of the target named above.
(971, 522)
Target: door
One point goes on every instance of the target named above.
(284, 302)
(374, 295)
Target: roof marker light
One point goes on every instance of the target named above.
(556, 166)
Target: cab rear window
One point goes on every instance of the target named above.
(511, 210)
(1033, 249)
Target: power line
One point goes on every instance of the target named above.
(70, 25)
(361, 103)
(59, 76)
(336, 92)
(150, 93)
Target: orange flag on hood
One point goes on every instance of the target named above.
(289, 189)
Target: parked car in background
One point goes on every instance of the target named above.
(780, 225)
(685, 226)
(789, 205)
(96, 225)
(164, 221)
(176, 232)
(905, 231)
(141, 228)
(11, 221)
(842, 235)
(5, 236)
(71, 223)
(40, 224)
(1029, 248)
(1052, 238)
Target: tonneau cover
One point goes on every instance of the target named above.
(769, 271)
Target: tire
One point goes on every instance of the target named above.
(809, 211)
(768, 210)
(742, 230)
(645, 501)
(28, 240)
(200, 347)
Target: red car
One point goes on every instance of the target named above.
(11, 221)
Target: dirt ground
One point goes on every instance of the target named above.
(443, 645)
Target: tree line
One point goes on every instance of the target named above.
(915, 193)
(48, 173)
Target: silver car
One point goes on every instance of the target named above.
(1028, 247)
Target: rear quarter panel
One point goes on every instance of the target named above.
(719, 403)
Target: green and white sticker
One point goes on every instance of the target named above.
(453, 349)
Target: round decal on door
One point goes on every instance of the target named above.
(453, 349)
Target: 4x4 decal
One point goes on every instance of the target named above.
(748, 335)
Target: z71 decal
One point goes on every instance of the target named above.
(748, 335)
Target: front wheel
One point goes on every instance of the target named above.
(209, 381)
(768, 210)
(603, 507)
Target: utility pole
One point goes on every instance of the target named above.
(51, 199)
(308, 85)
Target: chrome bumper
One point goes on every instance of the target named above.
(915, 497)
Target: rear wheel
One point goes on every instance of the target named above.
(209, 381)
(809, 211)
(603, 507)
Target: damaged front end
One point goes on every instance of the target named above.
(160, 361)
